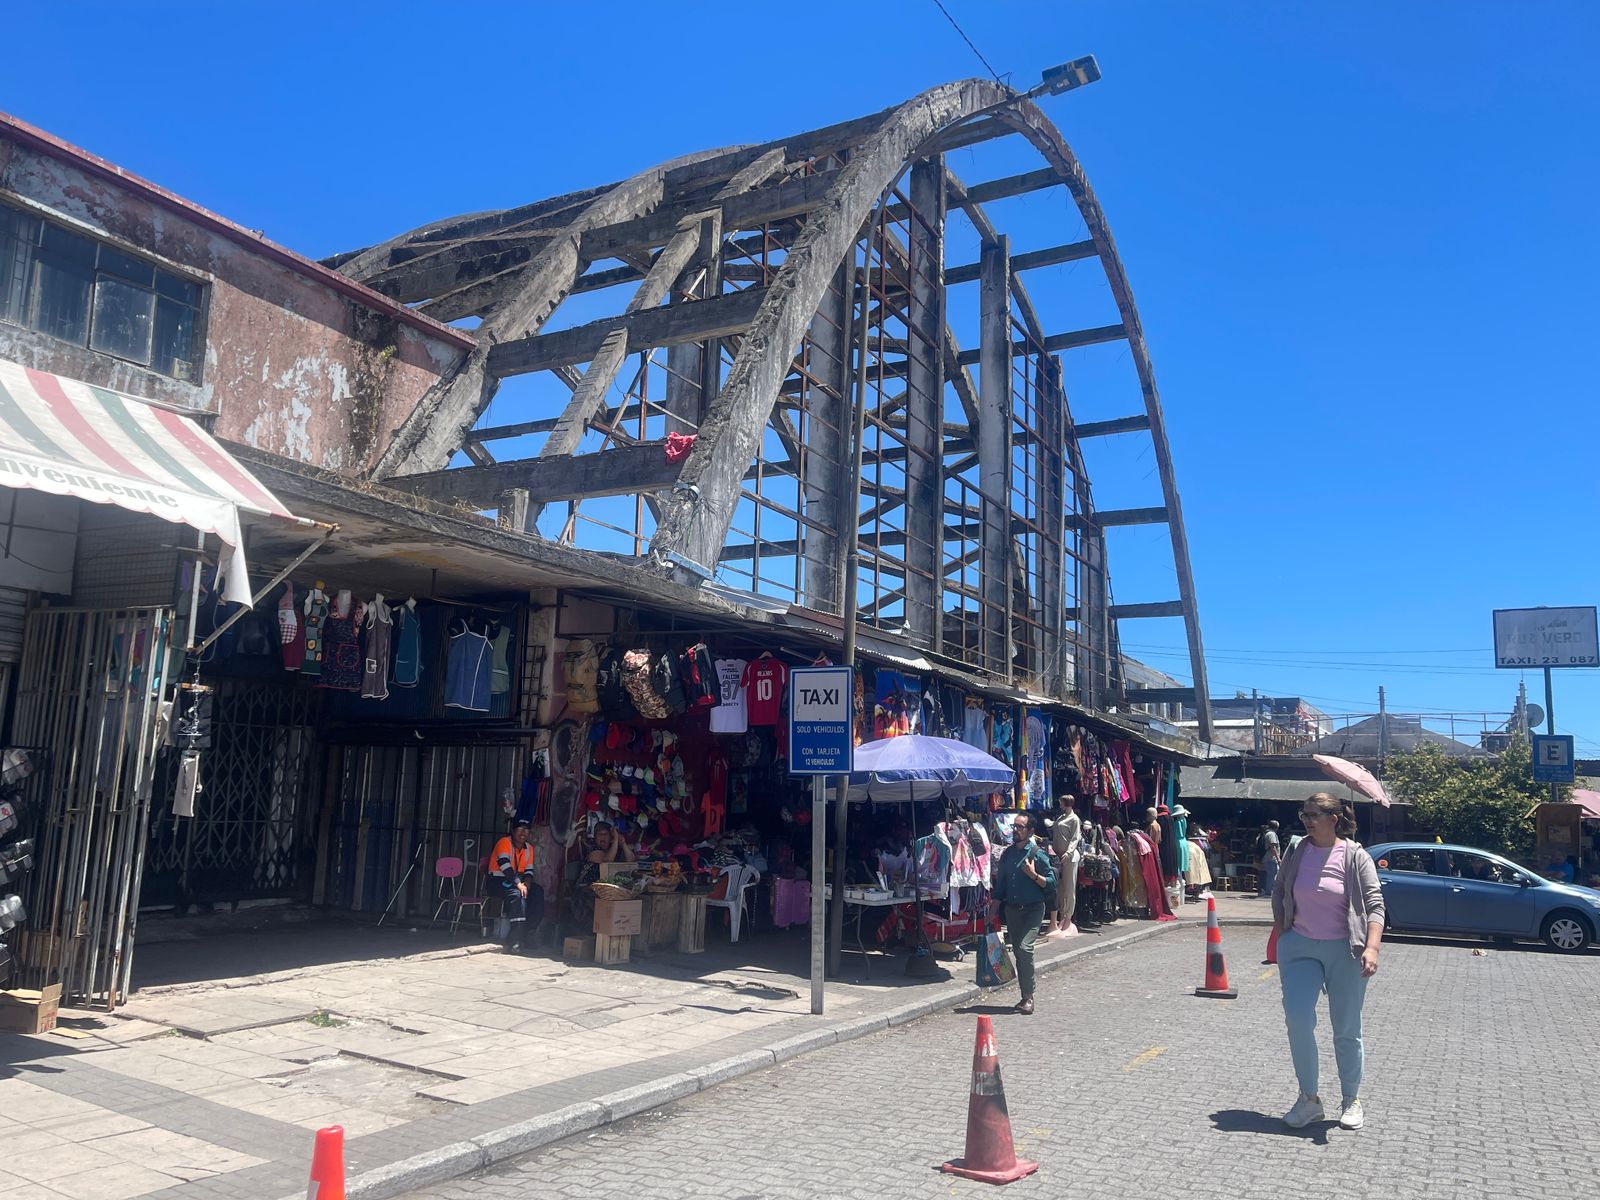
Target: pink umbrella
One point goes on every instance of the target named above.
(1352, 775)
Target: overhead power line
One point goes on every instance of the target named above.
(971, 44)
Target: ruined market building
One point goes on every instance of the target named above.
(716, 378)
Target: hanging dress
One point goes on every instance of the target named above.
(408, 645)
(291, 631)
(375, 663)
(500, 665)
(341, 647)
(316, 611)
(467, 670)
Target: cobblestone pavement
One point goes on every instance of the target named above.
(1124, 1086)
(209, 1087)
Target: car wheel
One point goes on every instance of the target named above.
(1565, 931)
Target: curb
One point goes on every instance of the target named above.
(485, 1150)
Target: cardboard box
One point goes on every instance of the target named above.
(578, 949)
(26, 1011)
(616, 918)
(607, 870)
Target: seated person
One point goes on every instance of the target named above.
(1561, 872)
(604, 845)
(511, 867)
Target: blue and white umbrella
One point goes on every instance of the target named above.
(914, 767)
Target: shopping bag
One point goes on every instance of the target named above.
(995, 968)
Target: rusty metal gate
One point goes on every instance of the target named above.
(399, 805)
(252, 833)
(89, 694)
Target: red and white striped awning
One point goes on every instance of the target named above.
(68, 438)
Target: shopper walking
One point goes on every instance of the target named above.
(1024, 883)
(1271, 857)
(1328, 911)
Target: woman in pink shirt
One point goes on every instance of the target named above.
(1328, 911)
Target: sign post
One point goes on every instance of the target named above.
(821, 743)
(1548, 638)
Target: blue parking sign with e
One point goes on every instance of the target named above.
(1552, 758)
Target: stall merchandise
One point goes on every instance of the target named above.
(16, 854)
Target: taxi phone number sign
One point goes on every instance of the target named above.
(1545, 637)
(821, 704)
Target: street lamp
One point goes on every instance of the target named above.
(1080, 72)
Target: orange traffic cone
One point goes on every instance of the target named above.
(327, 1165)
(1216, 987)
(1272, 947)
(990, 1156)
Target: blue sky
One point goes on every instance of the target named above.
(1361, 236)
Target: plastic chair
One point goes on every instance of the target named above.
(741, 880)
(448, 871)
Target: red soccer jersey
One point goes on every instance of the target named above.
(763, 680)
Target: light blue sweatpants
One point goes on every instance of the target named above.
(1305, 967)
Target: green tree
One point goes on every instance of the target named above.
(1479, 802)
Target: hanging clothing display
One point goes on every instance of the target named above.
(291, 631)
(1036, 759)
(499, 658)
(375, 660)
(612, 689)
(580, 671)
(341, 646)
(891, 706)
(636, 677)
(408, 646)
(764, 679)
(729, 715)
(699, 675)
(467, 668)
(1003, 735)
(975, 724)
(316, 612)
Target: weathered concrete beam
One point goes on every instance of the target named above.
(924, 400)
(1133, 424)
(1057, 342)
(1136, 612)
(1107, 518)
(1026, 118)
(997, 189)
(744, 210)
(698, 514)
(1033, 259)
(690, 321)
(624, 471)
(994, 450)
(439, 422)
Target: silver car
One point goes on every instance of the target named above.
(1429, 888)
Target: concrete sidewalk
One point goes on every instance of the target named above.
(435, 1062)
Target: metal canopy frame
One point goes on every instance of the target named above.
(767, 291)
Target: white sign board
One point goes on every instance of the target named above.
(1545, 637)
(821, 705)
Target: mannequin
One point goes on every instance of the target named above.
(1066, 836)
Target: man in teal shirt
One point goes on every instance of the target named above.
(1023, 884)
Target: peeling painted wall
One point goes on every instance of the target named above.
(290, 365)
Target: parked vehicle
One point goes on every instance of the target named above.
(1429, 888)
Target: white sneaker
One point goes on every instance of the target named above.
(1306, 1110)
(1352, 1117)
